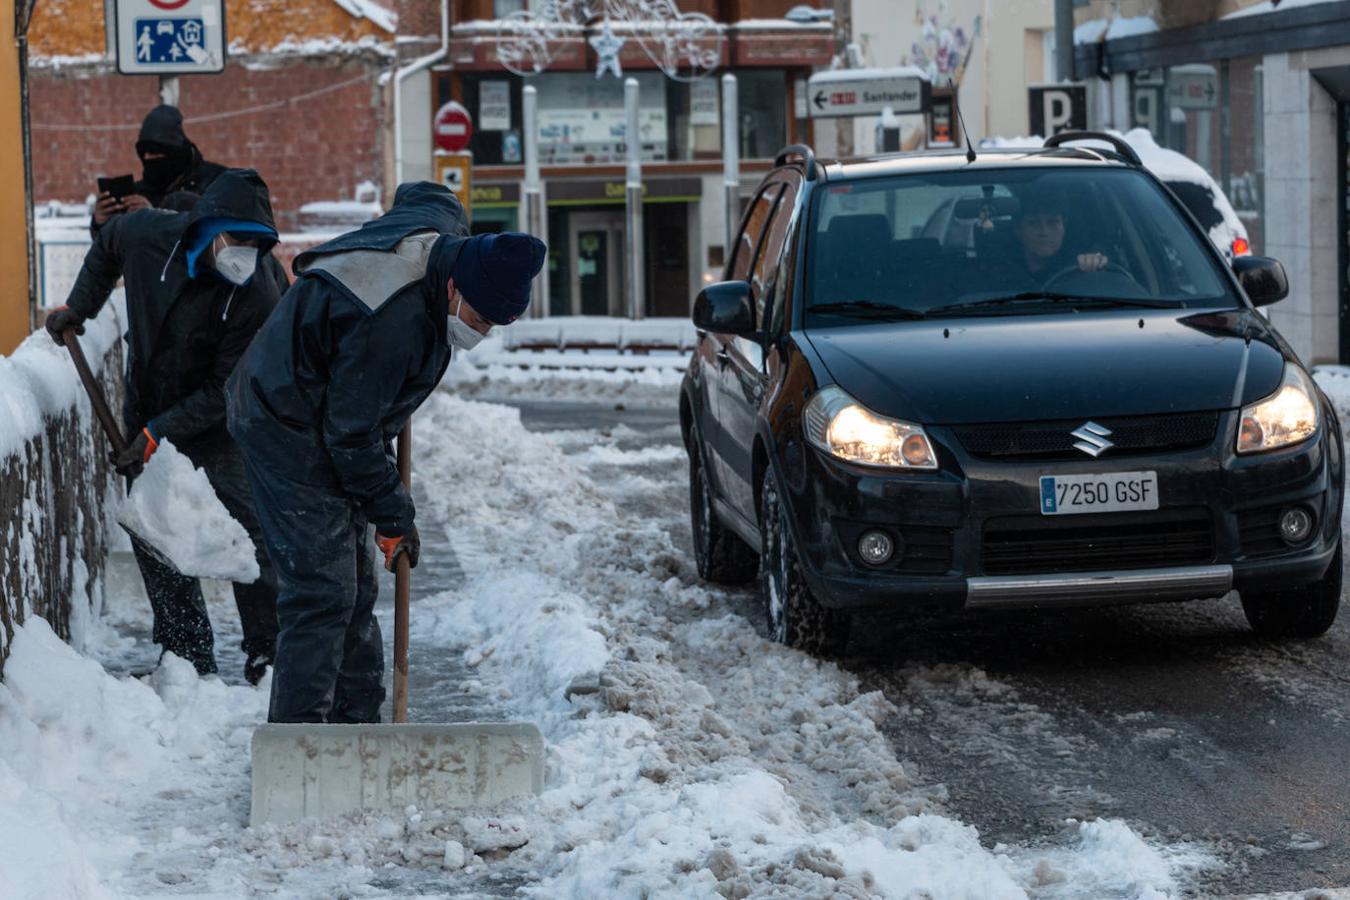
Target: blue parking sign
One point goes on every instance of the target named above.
(173, 42)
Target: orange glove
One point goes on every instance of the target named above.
(392, 546)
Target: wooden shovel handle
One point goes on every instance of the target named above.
(402, 590)
(95, 392)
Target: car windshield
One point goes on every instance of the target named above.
(1001, 242)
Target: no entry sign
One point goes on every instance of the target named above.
(452, 128)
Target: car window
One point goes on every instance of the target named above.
(762, 277)
(1016, 237)
(748, 241)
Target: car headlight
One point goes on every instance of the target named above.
(1285, 417)
(842, 427)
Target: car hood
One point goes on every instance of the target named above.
(1064, 366)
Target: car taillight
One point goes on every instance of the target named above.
(1241, 247)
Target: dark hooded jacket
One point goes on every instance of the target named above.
(357, 343)
(184, 334)
(163, 129)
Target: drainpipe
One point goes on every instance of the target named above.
(402, 74)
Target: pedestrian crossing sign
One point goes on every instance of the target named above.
(170, 37)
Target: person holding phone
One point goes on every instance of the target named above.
(169, 162)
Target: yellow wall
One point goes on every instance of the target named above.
(14, 301)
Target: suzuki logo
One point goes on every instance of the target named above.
(1092, 439)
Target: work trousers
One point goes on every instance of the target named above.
(181, 624)
(330, 655)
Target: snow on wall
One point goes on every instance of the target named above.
(55, 481)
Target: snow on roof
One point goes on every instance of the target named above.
(868, 74)
(382, 17)
(328, 46)
(1261, 9)
(782, 25)
(1116, 27)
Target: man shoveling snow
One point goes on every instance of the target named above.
(357, 344)
(193, 305)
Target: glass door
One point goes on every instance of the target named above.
(596, 263)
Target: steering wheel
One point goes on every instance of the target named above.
(1109, 267)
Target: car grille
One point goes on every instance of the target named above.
(1053, 440)
(1028, 545)
(928, 551)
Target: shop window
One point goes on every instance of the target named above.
(763, 112)
(503, 8)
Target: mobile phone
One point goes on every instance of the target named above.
(120, 186)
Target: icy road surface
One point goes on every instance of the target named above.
(1126, 754)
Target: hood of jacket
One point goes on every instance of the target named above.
(235, 194)
(418, 206)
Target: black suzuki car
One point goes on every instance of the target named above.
(1072, 402)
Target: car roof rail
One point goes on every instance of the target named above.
(1123, 149)
(808, 158)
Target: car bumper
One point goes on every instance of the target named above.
(945, 522)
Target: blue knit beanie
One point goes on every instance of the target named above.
(494, 272)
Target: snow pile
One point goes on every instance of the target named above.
(380, 16)
(96, 771)
(697, 758)
(1115, 27)
(1261, 9)
(173, 507)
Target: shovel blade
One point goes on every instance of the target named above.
(322, 771)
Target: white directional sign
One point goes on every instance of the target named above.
(1193, 86)
(170, 37)
(866, 92)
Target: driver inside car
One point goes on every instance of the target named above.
(1039, 226)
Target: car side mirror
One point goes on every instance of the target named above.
(724, 308)
(1262, 278)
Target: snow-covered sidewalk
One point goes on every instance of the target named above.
(707, 761)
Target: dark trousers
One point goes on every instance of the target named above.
(181, 625)
(330, 655)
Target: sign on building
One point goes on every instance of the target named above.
(169, 37)
(1057, 107)
(582, 120)
(866, 92)
(1193, 87)
(494, 105)
(455, 171)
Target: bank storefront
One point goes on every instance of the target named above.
(1260, 99)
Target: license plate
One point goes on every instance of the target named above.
(1066, 495)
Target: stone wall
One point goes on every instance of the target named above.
(55, 486)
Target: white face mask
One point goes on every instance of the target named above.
(462, 334)
(236, 263)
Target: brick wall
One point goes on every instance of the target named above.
(314, 148)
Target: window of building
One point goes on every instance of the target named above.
(503, 8)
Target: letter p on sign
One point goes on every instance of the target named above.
(1057, 107)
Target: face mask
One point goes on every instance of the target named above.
(462, 334)
(160, 173)
(236, 264)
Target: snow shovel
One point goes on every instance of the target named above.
(110, 428)
(322, 771)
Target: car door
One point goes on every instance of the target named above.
(743, 377)
(739, 268)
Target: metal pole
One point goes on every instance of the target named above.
(168, 90)
(1064, 40)
(402, 588)
(633, 280)
(532, 193)
(731, 161)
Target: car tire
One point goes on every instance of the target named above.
(722, 557)
(1304, 612)
(796, 618)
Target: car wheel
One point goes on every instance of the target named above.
(722, 557)
(796, 617)
(1304, 612)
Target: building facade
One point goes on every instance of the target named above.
(581, 128)
(1259, 94)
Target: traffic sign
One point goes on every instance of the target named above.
(452, 127)
(169, 37)
(1057, 107)
(455, 171)
(866, 92)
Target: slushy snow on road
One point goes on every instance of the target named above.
(694, 758)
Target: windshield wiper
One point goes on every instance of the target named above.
(1041, 296)
(867, 309)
